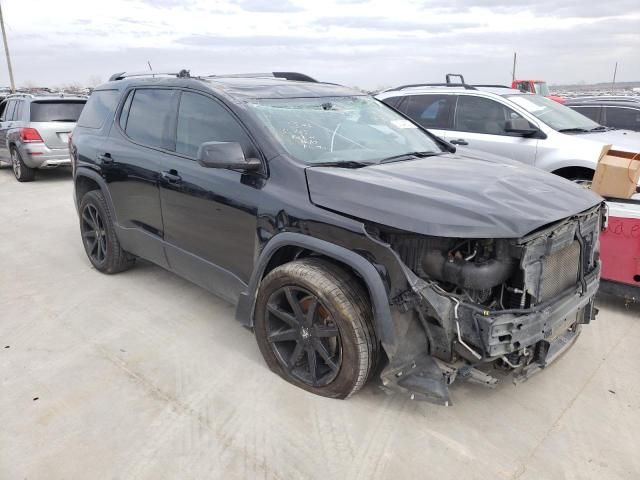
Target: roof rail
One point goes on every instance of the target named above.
(493, 86)
(122, 75)
(295, 76)
(449, 83)
(462, 85)
(31, 95)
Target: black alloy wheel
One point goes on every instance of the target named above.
(314, 326)
(99, 237)
(303, 336)
(94, 234)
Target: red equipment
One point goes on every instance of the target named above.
(620, 249)
(539, 87)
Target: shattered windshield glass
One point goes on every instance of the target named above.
(341, 129)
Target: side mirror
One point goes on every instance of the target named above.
(225, 155)
(520, 127)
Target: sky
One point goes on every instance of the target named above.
(365, 43)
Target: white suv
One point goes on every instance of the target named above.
(517, 125)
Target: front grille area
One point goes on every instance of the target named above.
(560, 271)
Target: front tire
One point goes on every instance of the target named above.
(98, 235)
(21, 171)
(313, 324)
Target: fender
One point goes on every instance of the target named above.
(371, 277)
(555, 166)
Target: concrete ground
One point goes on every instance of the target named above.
(143, 375)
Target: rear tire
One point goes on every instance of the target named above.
(98, 235)
(21, 171)
(331, 351)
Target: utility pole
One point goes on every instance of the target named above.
(6, 51)
(613, 82)
(513, 72)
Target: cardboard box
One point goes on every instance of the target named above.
(617, 173)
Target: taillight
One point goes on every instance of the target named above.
(30, 135)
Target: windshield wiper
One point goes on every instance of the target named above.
(572, 130)
(409, 156)
(343, 164)
(600, 128)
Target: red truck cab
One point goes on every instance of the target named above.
(539, 87)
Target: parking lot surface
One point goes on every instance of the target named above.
(144, 375)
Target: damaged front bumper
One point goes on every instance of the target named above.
(522, 343)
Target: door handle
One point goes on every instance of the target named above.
(104, 158)
(459, 141)
(171, 176)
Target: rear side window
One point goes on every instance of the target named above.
(622, 117)
(591, 112)
(151, 118)
(201, 119)
(56, 110)
(101, 103)
(431, 111)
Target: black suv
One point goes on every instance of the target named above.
(612, 111)
(352, 240)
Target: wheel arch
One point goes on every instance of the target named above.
(574, 171)
(86, 180)
(288, 246)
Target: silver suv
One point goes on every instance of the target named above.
(34, 131)
(506, 122)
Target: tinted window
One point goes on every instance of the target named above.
(431, 111)
(99, 105)
(151, 117)
(201, 119)
(620, 117)
(589, 112)
(482, 115)
(56, 111)
(393, 101)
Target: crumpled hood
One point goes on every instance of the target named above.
(625, 140)
(450, 196)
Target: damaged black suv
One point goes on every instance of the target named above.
(351, 240)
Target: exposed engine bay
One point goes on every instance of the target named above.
(515, 304)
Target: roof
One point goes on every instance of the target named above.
(247, 88)
(452, 88)
(240, 88)
(38, 97)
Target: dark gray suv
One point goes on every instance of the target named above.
(34, 131)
